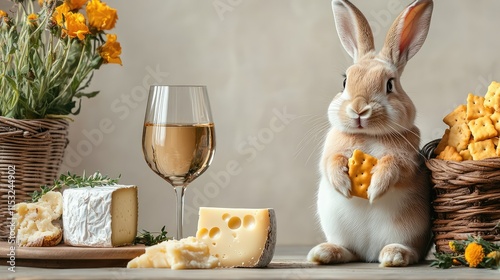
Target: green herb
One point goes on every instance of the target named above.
(473, 252)
(75, 181)
(148, 239)
(443, 260)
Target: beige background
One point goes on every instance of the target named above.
(271, 68)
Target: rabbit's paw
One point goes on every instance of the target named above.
(383, 177)
(327, 253)
(397, 255)
(342, 183)
(378, 186)
(336, 172)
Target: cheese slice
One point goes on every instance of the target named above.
(238, 237)
(38, 223)
(102, 216)
(176, 254)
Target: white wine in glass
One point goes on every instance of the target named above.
(178, 138)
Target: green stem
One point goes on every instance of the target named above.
(46, 52)
(67, 49)
(64, 92)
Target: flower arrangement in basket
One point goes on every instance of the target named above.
(465, 171)
(49, 55)
(49, 51)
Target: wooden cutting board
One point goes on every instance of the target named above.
(63, 256)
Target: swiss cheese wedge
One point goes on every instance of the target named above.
(238, 237)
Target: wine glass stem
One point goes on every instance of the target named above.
(179, 193)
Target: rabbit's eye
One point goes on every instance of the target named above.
(390, 85)
(343, 83)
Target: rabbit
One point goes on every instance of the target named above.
(374, 114)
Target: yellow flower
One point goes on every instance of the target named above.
(32, 19)
(75, 4)
(474, 254)
(59, 12)
(111, 50)
(75, 26)
(495, 255)
(101, 16)
(4, 17)
(452, 246)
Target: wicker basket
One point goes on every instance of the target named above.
(32, 151)
(466, 198)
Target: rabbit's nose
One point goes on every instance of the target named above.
(363, 113)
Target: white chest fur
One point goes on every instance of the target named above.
(359, 226)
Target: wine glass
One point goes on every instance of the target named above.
(178, 139)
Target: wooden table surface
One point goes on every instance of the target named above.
(288, 263)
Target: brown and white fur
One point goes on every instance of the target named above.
(374, 114)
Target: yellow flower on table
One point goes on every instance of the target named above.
(474, 254)
(452, 246)
(496, 256)
(101, 16)
(75, 26)
(111, 50)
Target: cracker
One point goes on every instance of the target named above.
(459, 136)
(475, 107)
(360, 171)
(482, 128)
(443, 143)
(495, 119)
(498, 149)
(465, 154)
(450, 153)
(492, 96)
(482, 149)
(458, 115)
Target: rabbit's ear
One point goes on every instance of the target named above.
(353, 29)
(408, 32)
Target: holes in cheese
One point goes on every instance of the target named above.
(214, 233)
(234, 223)
(249, 222)
(103, 216)
(244, 237)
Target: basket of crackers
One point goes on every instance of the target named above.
(465, 172)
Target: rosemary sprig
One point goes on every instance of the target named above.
(75, 181)
(145, 237)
